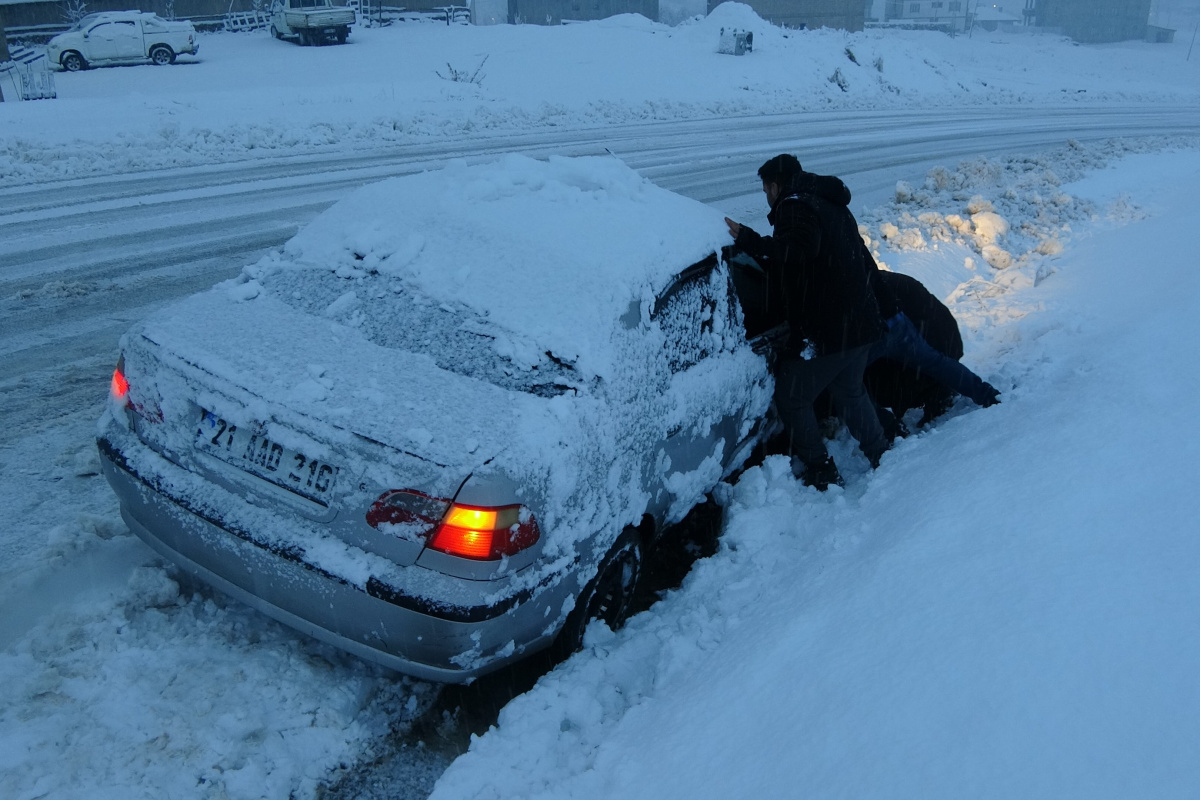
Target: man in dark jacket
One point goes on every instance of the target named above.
(818, 279)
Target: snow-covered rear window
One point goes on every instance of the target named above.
(391, 314)
(556, 251)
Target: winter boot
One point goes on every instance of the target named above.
(820, 475)
(935, 406)
(893, 427)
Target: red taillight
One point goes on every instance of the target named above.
(120, 386)
(479, 533)
(485, 534)
(413, 513)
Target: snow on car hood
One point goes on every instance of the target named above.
(556, 251)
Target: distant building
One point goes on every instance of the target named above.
(1094, 20)
(846, 14)
(949, 15)
(994, 17)
(556, 12)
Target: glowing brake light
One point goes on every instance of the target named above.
(120, 386)
(479, 533)
(119, 389)
(485, 534)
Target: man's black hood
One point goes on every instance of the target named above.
(827, 187)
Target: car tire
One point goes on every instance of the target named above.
(161, 55)
(72, 61)
(609, 596)
(341, 35)
(305, 41)
(275, 32)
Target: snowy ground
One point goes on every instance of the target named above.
(1006, 608)
(247, 96)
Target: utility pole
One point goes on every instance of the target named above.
(3, 50)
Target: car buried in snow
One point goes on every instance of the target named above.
(121, 37)
(442, 426)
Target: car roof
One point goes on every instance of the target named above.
(105, 16)
(554, 250)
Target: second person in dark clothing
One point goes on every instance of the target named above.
(819, 281)
(913, 318)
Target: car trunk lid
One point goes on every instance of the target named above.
(303, 414)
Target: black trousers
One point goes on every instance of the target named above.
(797, 384)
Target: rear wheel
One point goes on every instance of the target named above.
(342, 33)
(162, 55)
(73, 62)
(305, 39)
(609, 597)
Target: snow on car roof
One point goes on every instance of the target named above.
(554, 250)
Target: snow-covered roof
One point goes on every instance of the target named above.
(554, 250)
(993, 13)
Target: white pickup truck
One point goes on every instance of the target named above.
(311, 21)
(121, 37)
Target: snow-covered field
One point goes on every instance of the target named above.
(1006, 608)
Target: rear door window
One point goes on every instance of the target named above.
(695, 314)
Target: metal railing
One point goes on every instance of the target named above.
(238, 21)
(29, 71)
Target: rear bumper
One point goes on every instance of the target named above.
(377, 621)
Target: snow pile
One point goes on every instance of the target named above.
(1004, 220)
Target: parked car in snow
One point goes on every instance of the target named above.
(311, 21)
(121, 37)
(441, 428)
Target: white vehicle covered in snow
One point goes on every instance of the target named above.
(121, 37)
(441, 428)
(311, 21)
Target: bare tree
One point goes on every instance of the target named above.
(73, 10)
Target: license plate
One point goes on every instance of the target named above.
(254, 452)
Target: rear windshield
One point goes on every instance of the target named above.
(458, 340)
